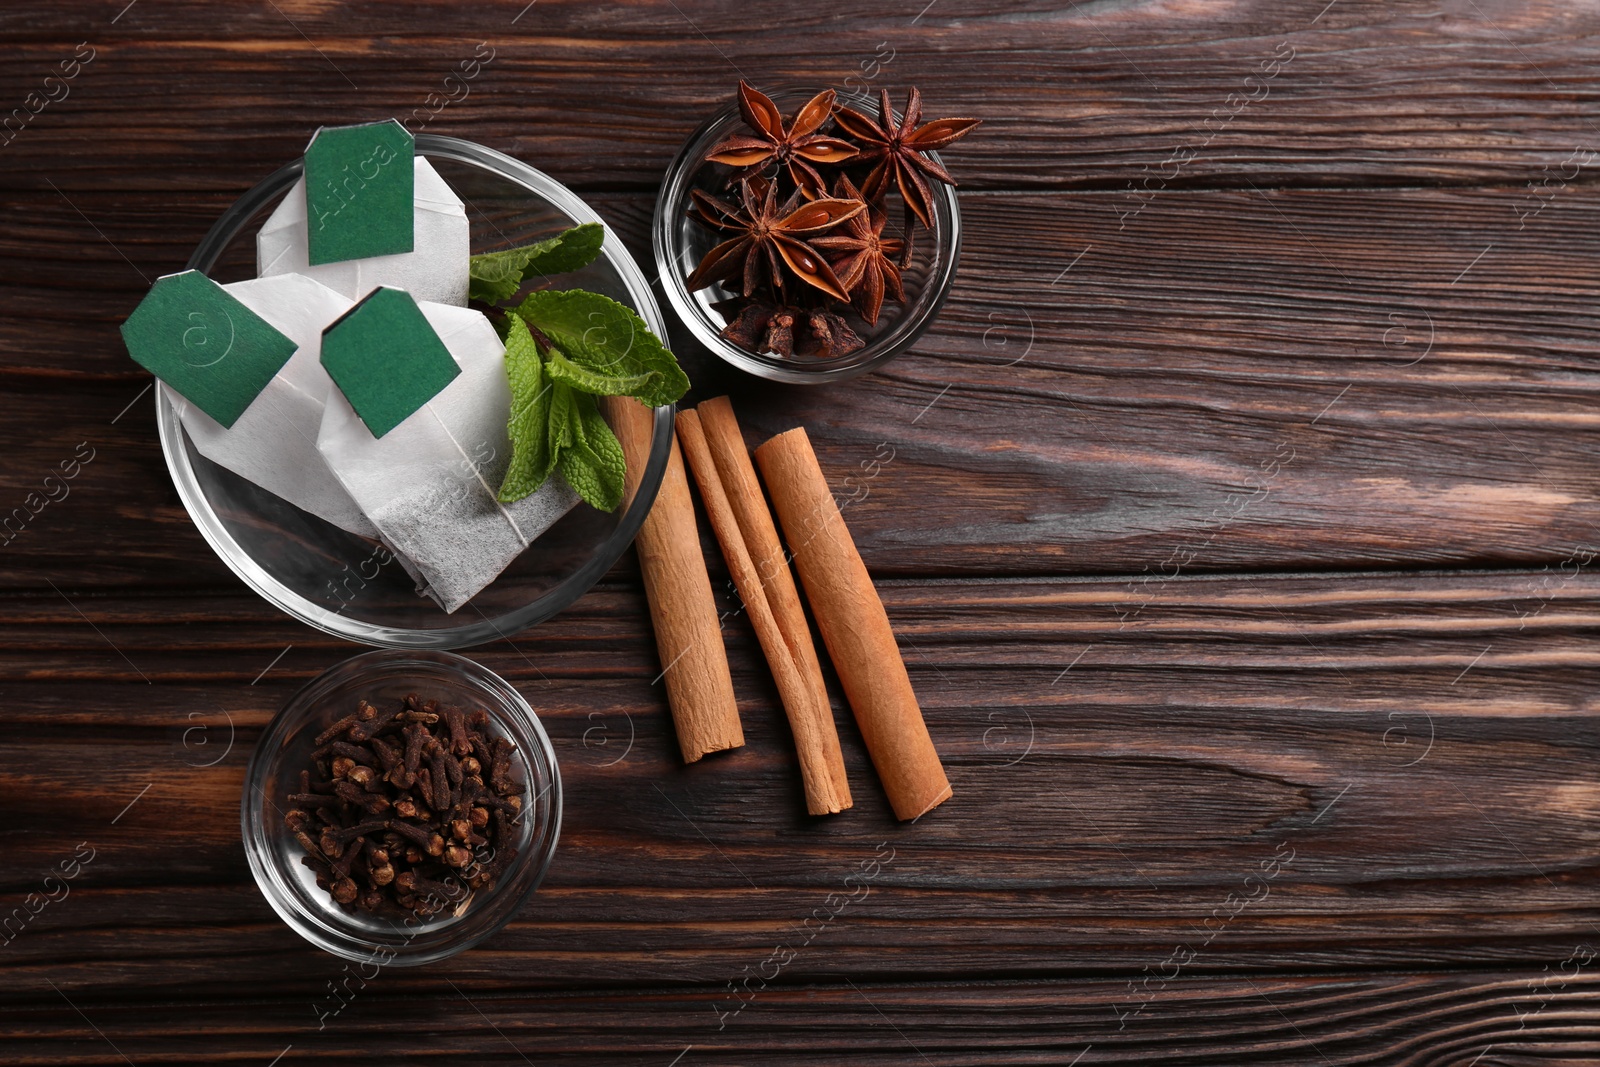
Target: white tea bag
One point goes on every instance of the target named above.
(274, 443)
(430, 484)
(435, 269)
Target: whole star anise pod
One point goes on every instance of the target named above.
(766, 234)
(795, 146)
(868, 266)
(900, 150)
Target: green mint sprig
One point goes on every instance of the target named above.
(608, 350)
(564, 349)
(495, 277)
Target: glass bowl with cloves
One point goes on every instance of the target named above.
(401, 807)
(809, 237)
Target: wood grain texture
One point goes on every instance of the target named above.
(1409, 1020)
(1077, 95)
(1302, 379)
(1239, 534)
(1127, 761)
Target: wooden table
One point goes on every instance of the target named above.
(1240, 535)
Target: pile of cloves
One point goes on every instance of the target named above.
(410, 809)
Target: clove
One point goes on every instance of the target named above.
(394, 815)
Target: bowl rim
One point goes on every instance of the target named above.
(254, 826)
(226, 229)
(795, 372)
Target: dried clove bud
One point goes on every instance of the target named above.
(460, 739)
(371, 803)
(394, 812)
(335, 839)
(407, 808)
(355, 753)
(369, 726)
(336, 730)
(388, 757)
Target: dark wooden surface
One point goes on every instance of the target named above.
(1241, 538)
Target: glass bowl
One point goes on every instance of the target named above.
(286, 748)
(351, 586)
(680, 242)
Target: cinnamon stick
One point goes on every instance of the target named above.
(682, 608)
(854, 626)
(761, 539)
(810, 720)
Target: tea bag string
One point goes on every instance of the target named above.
(473, 467)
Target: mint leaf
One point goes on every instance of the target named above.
(524, 367)
(588, 345)
(593, 464)
(584, 380)
(496, 276)
(532, 458)
(567, 251)
(563, 419)
(601, 335)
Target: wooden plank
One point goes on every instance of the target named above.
(1549, 1016)
(1258, 817)
(1078, 95)
(1283, 773)
(1299, 379)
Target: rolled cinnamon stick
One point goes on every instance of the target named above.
(811, 724)
(738, 476)
(682, 608)
(854, 626)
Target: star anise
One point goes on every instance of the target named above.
(900, 150)
(795, 146)
(827, 336)
(761, 326)
(868, 266)
(766, 235)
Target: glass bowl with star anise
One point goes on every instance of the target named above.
(809, 236)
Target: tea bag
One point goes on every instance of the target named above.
(429, 484)
(274, 442)
(436, 268)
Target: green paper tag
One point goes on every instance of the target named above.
(360, 186)
(198, 338)
(385, 357)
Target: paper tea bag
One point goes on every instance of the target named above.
(360, 187)
(435, 269)
(204, 343)
(429, 484)
(274, 442)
